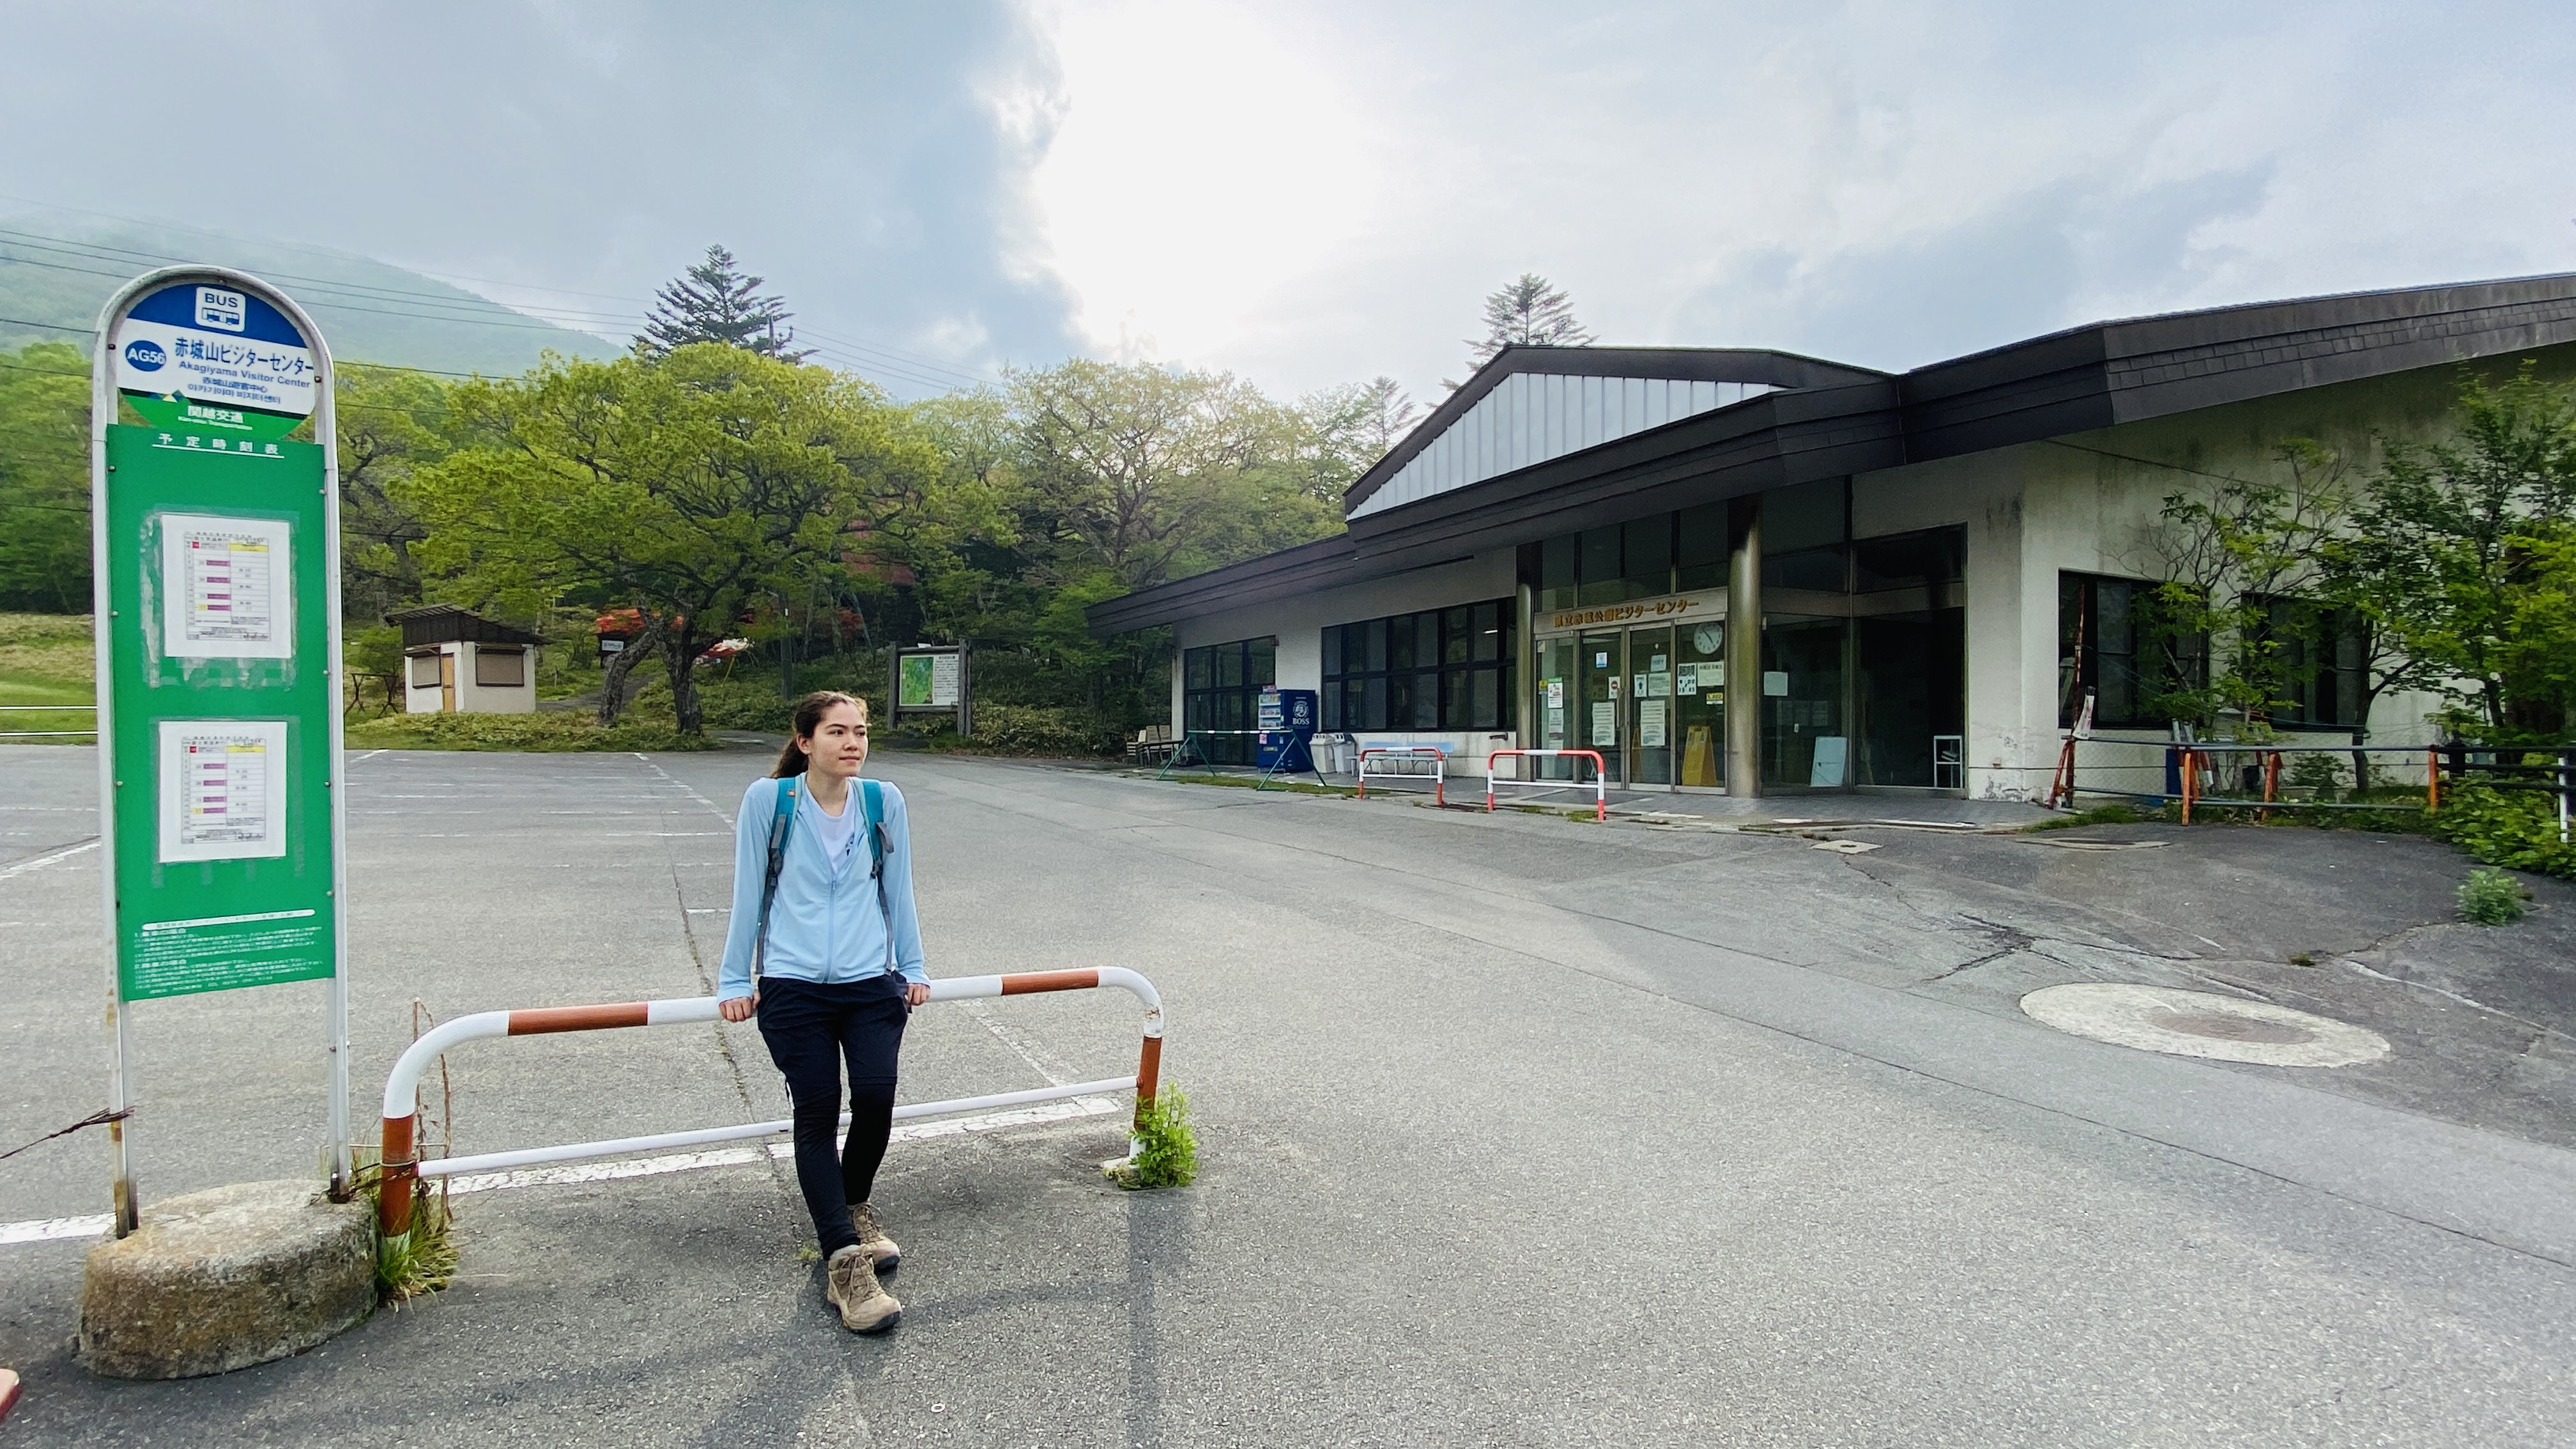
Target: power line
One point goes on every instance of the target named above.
(868, 355)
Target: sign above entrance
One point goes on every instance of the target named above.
(216, 358)
(1677, 606)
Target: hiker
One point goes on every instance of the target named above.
(825, 947)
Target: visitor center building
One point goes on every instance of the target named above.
(1761, 573)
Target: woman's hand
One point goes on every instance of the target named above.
(738, 1008)
(915, 994)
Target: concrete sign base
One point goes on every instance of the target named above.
(220, 1280)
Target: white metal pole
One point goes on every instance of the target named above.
(120, 1085)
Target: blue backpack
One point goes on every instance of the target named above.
(783, 816)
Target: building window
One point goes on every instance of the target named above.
(1443, 669)
(1632, 560)
(1221, 688)
(424, 671)
(2109, 645)
(2324, 663)
(500, 668)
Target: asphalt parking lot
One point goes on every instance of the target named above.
(1517, 1130)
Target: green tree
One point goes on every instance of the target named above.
(1348, 428)
(44, 479)
(1154, 472)
(391, 421)
(686, 485)
(2457, 549)
(714, 301)
(2241, 587)
(1526, 312)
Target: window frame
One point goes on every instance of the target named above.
(1208, 702)
(2083, 663)
(1375, 668)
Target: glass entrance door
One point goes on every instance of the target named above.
(1650, 706)
(1600, 661)
(1699, 702)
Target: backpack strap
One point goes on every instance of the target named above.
(781, 818)
(872, 820)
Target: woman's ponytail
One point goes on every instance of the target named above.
(807, 719)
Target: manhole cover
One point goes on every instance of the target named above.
(2202, 1024)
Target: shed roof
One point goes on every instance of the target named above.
(448, 624)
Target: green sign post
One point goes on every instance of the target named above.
(216, 546)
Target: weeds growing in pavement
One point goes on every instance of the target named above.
(1167, 1151)
(2491, 897)
(422, 1260)
(2098, 815)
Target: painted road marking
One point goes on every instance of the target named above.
(40, 862)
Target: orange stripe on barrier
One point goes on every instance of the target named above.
(1028, 981)
(393, 1187)
(539, 1020)
(1149, 1075)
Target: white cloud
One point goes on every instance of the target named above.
(1207, 167)
(1324, 192)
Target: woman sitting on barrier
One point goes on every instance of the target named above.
(825, 947)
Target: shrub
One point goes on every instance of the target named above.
(2490, 897)
(2318, 772)
(1026, 729)
(2516, 829)
(1166, 1150)
(549, 730)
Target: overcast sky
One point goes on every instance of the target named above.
(1311, 193)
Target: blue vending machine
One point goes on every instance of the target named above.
(1287, 717)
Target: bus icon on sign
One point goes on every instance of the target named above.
(224, 311)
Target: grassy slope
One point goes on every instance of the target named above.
(46, 659)
(40, 285)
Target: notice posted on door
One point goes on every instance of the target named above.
(227, 587)
(223, 790)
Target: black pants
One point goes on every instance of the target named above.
(810, 1029)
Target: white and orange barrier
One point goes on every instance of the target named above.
(1600, 777)
(1403, 757)
(401, 1164)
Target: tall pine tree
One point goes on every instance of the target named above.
(1527, 313)
(714, 302)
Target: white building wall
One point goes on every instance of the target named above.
(471, 698)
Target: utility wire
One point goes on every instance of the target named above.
(860, 356)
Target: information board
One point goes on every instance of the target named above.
(219, 695)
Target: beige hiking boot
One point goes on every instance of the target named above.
(852, 1286)
(883, 1255)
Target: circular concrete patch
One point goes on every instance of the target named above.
(2202, 1024)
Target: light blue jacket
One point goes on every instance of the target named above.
(825, 924)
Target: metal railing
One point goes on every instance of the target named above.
(1292, 746)
(47, 709)
(1600, 778)
(2199, 762)
(401, 1164)
(1438, 774)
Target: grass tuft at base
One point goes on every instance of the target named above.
(1167, 1151)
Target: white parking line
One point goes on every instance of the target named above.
(42, 1228)
(40, 862)
(38, 1230)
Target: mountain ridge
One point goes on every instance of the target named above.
(58, 268)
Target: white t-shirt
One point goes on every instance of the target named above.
(838, 833)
